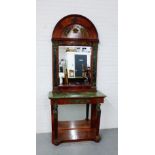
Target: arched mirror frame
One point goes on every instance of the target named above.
(58, 39)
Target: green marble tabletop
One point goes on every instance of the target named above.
(56, 95)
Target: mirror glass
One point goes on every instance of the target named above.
(75, 65)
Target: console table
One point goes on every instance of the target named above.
(66, 131)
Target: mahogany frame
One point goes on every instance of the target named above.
(59, 40)
(87, 129)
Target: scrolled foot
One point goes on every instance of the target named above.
(56, 142)
(98, 138)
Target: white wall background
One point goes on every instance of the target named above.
(103, 13)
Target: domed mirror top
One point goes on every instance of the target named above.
(75, 27)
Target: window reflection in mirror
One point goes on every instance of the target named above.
(75, 65)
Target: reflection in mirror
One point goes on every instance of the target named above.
(74, 65)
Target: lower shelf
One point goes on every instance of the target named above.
(69, 131)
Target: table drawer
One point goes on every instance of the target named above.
(77, 101)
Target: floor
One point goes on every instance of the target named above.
(107, 146)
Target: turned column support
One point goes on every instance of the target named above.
(54, 123)
(87, 112)
(98, 114)
(95, 119)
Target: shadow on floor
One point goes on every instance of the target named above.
(107, 146)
